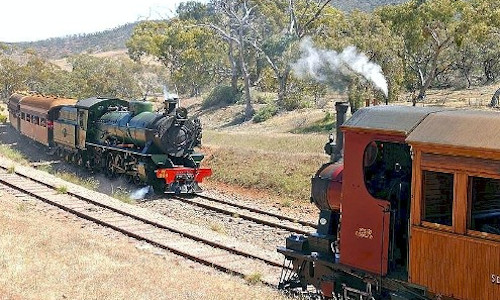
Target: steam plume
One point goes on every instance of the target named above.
(140, 193)
(335, 68)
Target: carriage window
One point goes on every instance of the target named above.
(484, 204)
(36, 120)
(42, 122)
(437, 193)
(28, 118)
(387, 170)
(23, 115)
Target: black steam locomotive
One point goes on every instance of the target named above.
(118, 137)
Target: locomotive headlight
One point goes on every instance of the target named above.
(323, 221)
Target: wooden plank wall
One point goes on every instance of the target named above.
(454, 265)
(35, 132)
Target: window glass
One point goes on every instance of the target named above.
(437, 194)
(484, 204)
(387, 169)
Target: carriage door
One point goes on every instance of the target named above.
(82, 128)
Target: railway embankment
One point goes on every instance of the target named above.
(79, 254)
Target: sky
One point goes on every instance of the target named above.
(32, 20)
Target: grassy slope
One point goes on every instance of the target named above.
(277, 163)
(268, 157)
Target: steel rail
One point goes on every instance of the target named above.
(241, 215)
(143, 220)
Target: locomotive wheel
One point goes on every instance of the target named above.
(158, 186)
(110, 166)
(78, 159)
(136, 179)
(119, 164)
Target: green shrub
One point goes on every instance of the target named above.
(254, 278)
(3, 119)
(62, 189)
(221, 95)
(265, 113)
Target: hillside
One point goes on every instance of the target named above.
(115, 39)
(108, 40)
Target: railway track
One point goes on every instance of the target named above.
(249, 213)
(200, 247)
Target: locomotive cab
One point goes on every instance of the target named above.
(365, 211)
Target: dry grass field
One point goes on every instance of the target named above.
(269, 157)
(43, 258)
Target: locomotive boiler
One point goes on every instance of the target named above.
(411, 210)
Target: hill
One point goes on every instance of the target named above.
(114, 39)
(108, 40)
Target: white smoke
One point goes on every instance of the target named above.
(330, 66)
(139, 193)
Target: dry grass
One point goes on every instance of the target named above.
(262, 142)
(40, 259)
(12, 154)
(279, 173)
(279, 163)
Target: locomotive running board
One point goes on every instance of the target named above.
(386, 282)
(119, 149)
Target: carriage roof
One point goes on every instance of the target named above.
(44, 103)
(468, 129)
(435, 126)
(399, 120)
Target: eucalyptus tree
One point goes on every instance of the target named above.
(191, 53)
(428, 30)
(94, 76)
(484, 20)
(284, 24)
(234, 23)
(11, 76)
(370, 35)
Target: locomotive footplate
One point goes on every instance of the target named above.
(351, 280)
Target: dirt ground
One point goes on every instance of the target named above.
(56, 257)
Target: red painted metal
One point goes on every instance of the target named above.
(334, 193)
(172, 174)
(365, 220)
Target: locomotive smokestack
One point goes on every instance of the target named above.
(335, 149)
